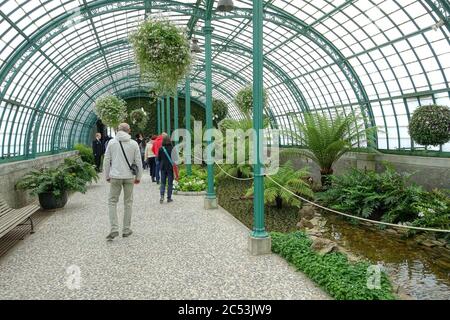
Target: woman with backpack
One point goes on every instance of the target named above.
(166, 166)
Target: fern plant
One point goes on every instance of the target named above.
(293, 180)
(387, 196)
(325, 140)
(243, 169)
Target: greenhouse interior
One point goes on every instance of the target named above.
(267, 150)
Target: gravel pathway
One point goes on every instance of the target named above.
(177, 251)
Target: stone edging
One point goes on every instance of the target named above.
(185, 193)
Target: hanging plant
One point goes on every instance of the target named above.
(139, 118)
(430, 125)
(244, 100)
(162, 53)
(220, 111)
(111, 110)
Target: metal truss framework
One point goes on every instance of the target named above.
(378, 58)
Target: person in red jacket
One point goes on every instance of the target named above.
(156, 146)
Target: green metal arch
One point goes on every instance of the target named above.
(98, 8)
(239, 49)
(103, 89)
(72, 68)
(16, 61)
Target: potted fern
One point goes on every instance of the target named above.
(52, 185)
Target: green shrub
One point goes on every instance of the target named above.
(81, 169)
(197, 182)
(433, 211)
(85, 153)
(430, 125)
(333, 272)
(387, 196)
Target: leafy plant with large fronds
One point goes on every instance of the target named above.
(241, 169)
(291, 179)
(51, 180)
(325, 140)
(388, 196)
(81, 169)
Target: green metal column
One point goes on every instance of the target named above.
(168, 115)
(258, 201)
(158, 112)
(175, 116)
(188, 124)
(207, 30)
(163, 111)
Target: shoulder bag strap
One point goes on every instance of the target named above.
(167, 155)
(123, 151)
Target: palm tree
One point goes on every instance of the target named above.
(293, 180)
(325, 140)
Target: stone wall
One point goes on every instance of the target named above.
(11, 172)
(428, 172)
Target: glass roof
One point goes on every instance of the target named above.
(380, 57)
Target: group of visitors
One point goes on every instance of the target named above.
(124, 165)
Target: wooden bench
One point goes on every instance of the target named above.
(10, 218)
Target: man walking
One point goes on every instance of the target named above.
(98, 150)
(121, 154)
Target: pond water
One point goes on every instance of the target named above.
(422, 272)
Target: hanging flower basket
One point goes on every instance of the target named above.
(139, 118)
(111, 110)
(244, 100)
(162, 53)
(430, 125)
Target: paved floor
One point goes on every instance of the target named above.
(177, 251)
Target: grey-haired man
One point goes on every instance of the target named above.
(119, 175)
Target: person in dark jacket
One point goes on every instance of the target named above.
(166, 167)
(98, 150)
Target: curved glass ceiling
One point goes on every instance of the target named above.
(382, 58)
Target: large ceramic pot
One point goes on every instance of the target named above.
(48, 201)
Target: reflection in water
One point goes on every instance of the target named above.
(409, 265)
